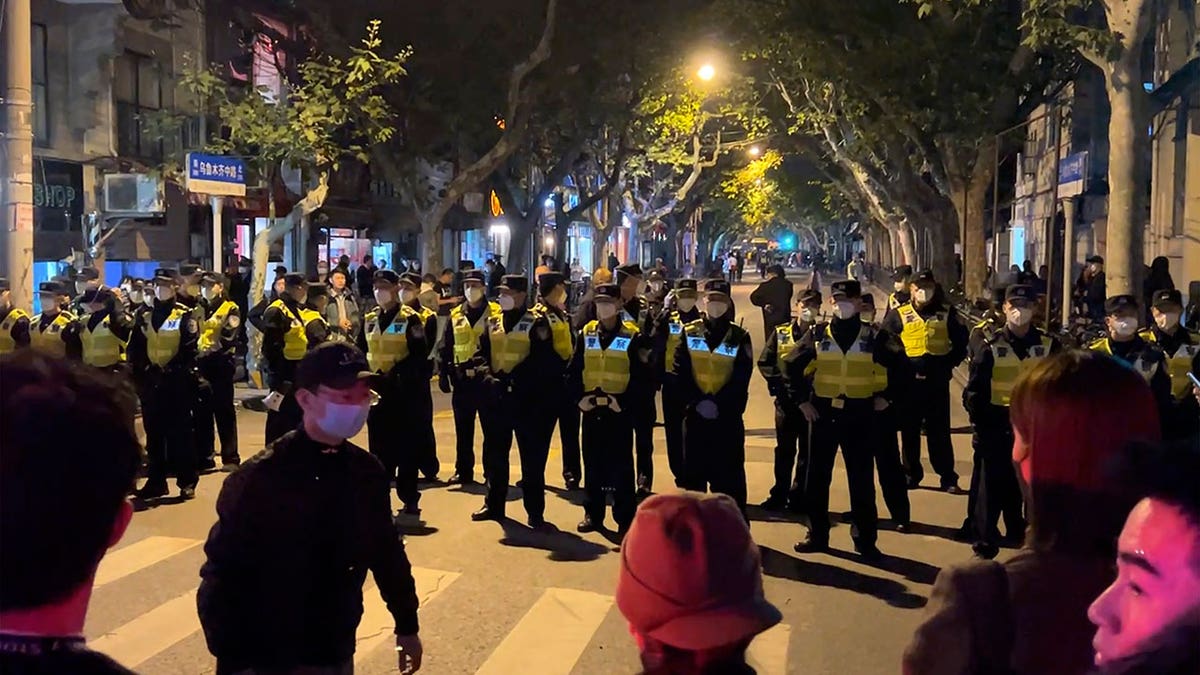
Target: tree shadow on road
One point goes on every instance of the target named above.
(562, 546)
(780, 565)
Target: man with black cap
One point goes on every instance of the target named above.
(656, 293)
(397, 345)
(935, 341)
(55, 331)
(844, 376)
(14, 326)
(1092, 292)
(218, 341)
(791, 429)
(162, 350)
(299, 526)
(86, 279)
(190, 275)
(893, 483)
(714, 370)
(993, 322)
(679, 311)
(900, 293)
(994, 369)
(422, 395)
(1182, 349)
(549, 368)
(104, 330)
(610, 381)
(774, 296)
(289, 330)
(637, 310)
(1123, 343)
(463, 369)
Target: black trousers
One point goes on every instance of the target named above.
(499, 429)
(422, 398)
(568, 434)
(288, 417)
(928, 403)
(391, 426)
(999, 494)
(534, 431)
(167, 417)
(851, 432)
(791, 452)
(644, 431)
(216, 404)
(466, 401)
(673, 412)
(892, 480)
(608, 465)
(714, 456)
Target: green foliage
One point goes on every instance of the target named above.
(755, 192)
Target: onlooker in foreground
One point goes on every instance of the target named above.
(1071, 414)
(298, 526)
(64, 504)
(691, 586)
(1148, 620)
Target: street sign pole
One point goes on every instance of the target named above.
(216, 176)
(217, 203)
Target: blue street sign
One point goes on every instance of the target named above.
(215, 175)
(1072, 174)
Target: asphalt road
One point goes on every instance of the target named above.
(500, 598)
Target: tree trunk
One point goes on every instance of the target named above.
(908, 243)
(1127, 139)
(518, 243)
(942, 229)
(562, 226)
(969, 204)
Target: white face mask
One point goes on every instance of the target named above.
(80, 286)
(474, 294)
(407, 295)
(807, 315)
(383, 297)
(322, 270)
(135, 297)
(164, 293)
(845, 309)
(605, 310)
(1124, 327)
(208, 293)
(49, 303)
(343, 420)
(922, 296)
(687, 304)
(1167, 321)
(148, 299)
(1019, 316)
(716, 308)
(899, 286)
(507, 302)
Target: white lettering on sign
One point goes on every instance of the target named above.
(53, 196)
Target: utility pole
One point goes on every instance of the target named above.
(16, 208)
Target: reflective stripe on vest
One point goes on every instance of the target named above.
(50, 340)
(560, 332)
(509, 348)
(295, 340)
(674, 337)
(466, 336)
(1143, 367)
(210, 329)
(851, 374)
(785, 342)
(7, 343)
(389, 346)
(606, 369)
(1179, 364)
(713, 369)
(163, 344)
(1007, 367)
(921, 336)
(101, 348)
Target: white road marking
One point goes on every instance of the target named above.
(555, 631)
(769, 651)
(139, 555)
(377, 626)
(148, 635)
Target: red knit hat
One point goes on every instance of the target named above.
(691, 576)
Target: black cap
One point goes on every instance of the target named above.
(280, 270)
(654, 275)
(1166, 297)
(69, 274)
(514, 282)
(607, 291)
(776, 269)
(999, 295)
(137, 283)
(868, 300)
(630, 270)
(213, 278)
(686, 285)
(166, 275)
(549, 280)
(902, 272)
(337, 365)
(412, 278)
(1120, 302)
(1021, 292)
(4, 285)
(96, 295)
(809, 296)
(51, 287)
(388, 276)
(925, 275)
(847, 289)
(295, 280)
(717, 286)
(189, 269)
(465, 265)
(1096, 259)
(316, 289)
(473, 275)
(87, 274)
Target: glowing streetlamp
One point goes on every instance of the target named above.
(706, 72)
(754, 151)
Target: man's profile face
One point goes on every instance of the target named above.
(1157, 585)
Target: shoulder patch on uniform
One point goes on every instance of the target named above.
(234, 321)
(191, 325)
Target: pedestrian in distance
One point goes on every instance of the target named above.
(774, 296)
(364, 276)
(64, 504)
(281, 588)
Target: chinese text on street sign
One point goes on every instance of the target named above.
(215, 175)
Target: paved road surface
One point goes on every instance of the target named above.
(499, 598)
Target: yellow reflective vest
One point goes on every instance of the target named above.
(1147, 369)
(210, 329)
(1007, 367)
(675, 330)
(852, 374)
(922, 336)
(712, 369)
(101, 347)
(785, 342)
(7, 343)
(50, 340)
(509, 348)
(1179, 364)
(466, 336)
(560, 331)
(163, 344)
(607, 369)
(388, 346)
(295, 340)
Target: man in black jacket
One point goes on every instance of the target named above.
(282, 586)
(775, 297)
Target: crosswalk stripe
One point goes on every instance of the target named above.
(557, 629)
(377, 625)
(139, 555)
(151, 633)
(768, 654)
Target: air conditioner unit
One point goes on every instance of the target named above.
(1029, 165)
(133, 193)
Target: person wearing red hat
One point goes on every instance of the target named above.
(691, 585)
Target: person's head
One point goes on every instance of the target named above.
(333, 390)
(337, 278)
(1071, 413)
(87, 279)
(295, 286)
(317, 296)
(278, 286)
(96, 300)
(212, 286)
(64, 502)
(655, 282)
(344, 261)
(552, 287)
(137, 292)
(386, 284)
(447, 276)
(602, 275)
(489, 264)
(776, 271)
(845, 299)
(1121, 315)
(900, 278)
(607, 298)
(1019, 301)
(5, 295)
(717, 303)
(629, 278)
(383, 264)
(690, 584)
(243, 266)
(513, 291)
(1167, 306)
(686, 294)
(1160, 268)
(923, 287)
(1027, 265)
(366, 260)
(1043, 272)
(474, 287)
(1155, 599)
(166, 284)
(867, 308)
(808, 306)
(189, 279)
(409, 288)
(1095, 264)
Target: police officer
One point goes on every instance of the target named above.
(289, 330)
(549, 370)
(992, 324)
(218, 340)
(55, 331)
(714, 369)
(994, 369)
(679, 311)
(656, 294)
(162, 348)
(86, 279)
(1123, 343)
(791, 429)
(397, 345)
(609, 380)
(422, 396)
(1182, 349)
(189, 288)
(636, 309)
(900, 291)
(104, 330)
(843, 377)
(14, 326)
(462, 369)
(935, 341)
(868, 314)
(893, 484)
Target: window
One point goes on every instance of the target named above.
(137, 88)
(41, 113)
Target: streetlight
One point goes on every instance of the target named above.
(706, 72)
(754, 151)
